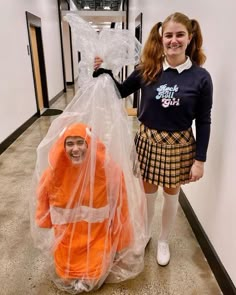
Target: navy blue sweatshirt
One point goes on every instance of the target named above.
(173, 101)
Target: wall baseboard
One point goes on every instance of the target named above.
(55, 98)
(220, 273)
(11, 138)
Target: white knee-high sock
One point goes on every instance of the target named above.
(151, 199)
(169, 211)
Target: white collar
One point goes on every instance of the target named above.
(180, 68)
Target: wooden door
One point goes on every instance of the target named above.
(36, 67)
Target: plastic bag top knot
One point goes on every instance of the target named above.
(116, 47)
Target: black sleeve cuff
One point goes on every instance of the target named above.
(101, 71)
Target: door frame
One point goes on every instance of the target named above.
(35, 21)
(138, 35)
(66, 6)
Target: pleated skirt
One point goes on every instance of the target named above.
(165, 158)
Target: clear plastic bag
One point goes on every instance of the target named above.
(116, 47)
(88, 210)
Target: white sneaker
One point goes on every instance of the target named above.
(80, 286)
(163, 253)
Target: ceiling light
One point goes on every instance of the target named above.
(107, 7)
(86, 7)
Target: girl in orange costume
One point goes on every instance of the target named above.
(87, 208)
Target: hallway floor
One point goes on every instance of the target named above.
(21, 271)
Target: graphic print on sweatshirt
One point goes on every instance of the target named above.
(166, 94)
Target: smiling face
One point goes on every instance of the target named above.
(76, 148)
(175, 39)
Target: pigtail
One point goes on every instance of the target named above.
(194, 49)
(152, 55)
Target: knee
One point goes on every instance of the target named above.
(149, 188)
(172, 190)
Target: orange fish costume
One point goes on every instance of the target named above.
(86, 206)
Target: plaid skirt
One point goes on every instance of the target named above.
(165, 158)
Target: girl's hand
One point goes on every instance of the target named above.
(97, 62)
(196, 171)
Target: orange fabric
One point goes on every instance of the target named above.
(82, 249)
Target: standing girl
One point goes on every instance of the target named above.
(175, 91)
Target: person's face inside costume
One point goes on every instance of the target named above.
(76, 148)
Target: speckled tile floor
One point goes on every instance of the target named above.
(21, 268)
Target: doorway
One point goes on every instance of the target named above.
(138, 35)
(37, 60)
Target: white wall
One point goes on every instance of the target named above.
(214, 197)
(17, 96)
(67, 50)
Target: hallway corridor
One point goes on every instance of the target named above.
(22, 272)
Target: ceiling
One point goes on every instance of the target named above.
(96, 12)
(97, 5)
